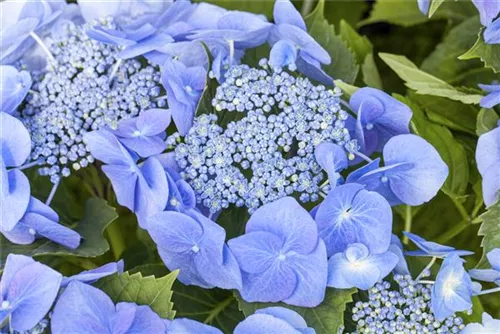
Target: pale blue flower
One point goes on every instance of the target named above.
(489, 326)
(92, 275)
(281, 256)
(357, 267)
(413, 172)
(488, 164)
(452, 291)
(489, 275)
(194, 244)
(350, 214)
(429, 248)
(333, 159)
(14, 87)
(488, 10)
(28, 289)
(493, 98)
(188, 326)
(87, 310)
(274, 320)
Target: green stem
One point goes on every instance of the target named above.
(307, 7)
(408, 223)
(461, 209)
(115, 239)
(485, 292)
(218, 309)
(451, 233)
(83, 263)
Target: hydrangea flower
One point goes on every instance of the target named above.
(333, 159)
(489, 326)
(350, 214)
(141, 188)
(488, 163)
(84, 309)
(358, 267)
(493, 96)
(293, 47)
(430, 248)
(488, 10)
(413, 172)
(379, 118)
(281, 256)
(396, 247)
(92, 275)
(144, 134)
(194, 244)
(188, 326)
(14, 87)
(452, 291)
(274, 320)
(28, 289)
(489, 275)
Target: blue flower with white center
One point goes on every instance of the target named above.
(92, 275)
(184, 86)
(14, 87)
(144, 134)
(413, 172)
(488, 163)
(489, 275)
(350, 214)
(396, 247)
(40, 220)
(333, 159)
(493, 97)
(274, 320)
(452, 291)
(15, 145)
(28, 289)
(358, 267)
(188, 326)
(195, 245)
(293, 46)
(281, 256)
(423, 6)
(142, 188)
(81, 308)
(432, 249)
(488, 10)
(379, 118)
(488, 326)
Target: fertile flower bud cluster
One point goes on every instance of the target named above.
(405, 310)
(79, 93)
(269, 152)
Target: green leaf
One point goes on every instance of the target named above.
(151, 291)
(346, 88)
(406, 12)
(435, 4)
(487, 120)
(97, 216)
(451, 151)
(488, 53)
(371, 76)
(343, 65)
(350, 11)
(326, 318)
(490, 230)
(424, 83)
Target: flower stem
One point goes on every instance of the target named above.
(115, 239)
(43, 46)
(218, 309)
(29, 165)
(461, 209)
(52, 193)
(408, 223)
(427, 267)
(307, 7)
(362, 156)
(115, 70)
(426, 282)
(454, 231)
(485, 292)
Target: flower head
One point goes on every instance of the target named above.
(281, 256)
(274, 320)
(14, 87)
(430, 248)
(488, 163)
(28, 289)
(489, 275)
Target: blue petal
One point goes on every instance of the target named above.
(52, 230)
(492, 33)
(488, 10)
(423, 6)
(13, 264)
(188, 326)
(225, 275)
(144, 46)
(105, 146)
(490, 100)
(283, 54)
(285, 13)
(291, 317)
(92, 275)
(20, 235)
(303, 40)
(124, 183)
(488, 151)
(14, 87)
(206, 15)
(485, 275)
(343, 275)
(92, 10)
(264, 323)
(16, 200)
(15, 141)
(332, 158)
(491, 185)
(144, 321)
(493, 257)
(397, 249)
(145, 146)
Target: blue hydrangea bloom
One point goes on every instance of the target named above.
(293, 46)
(396, 247)
(413, 172)
(142, 188)
(92, 275)
(493, 98)
(87, 310)
(423, 6)
(188, 326)
(379, 118)
(274, 320)
(492, 33)
(28, 289)
(184, 86)
(281, 256)
(333, 159)
(350, 214)
(489, 275)
(452, 291)
(144, 134)
(357, 267)
(194, 244)
(488, 163)
(15, 146)
(489, 326)
(429, 248)
(488, 10)
(40, 220)
(14, 87)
